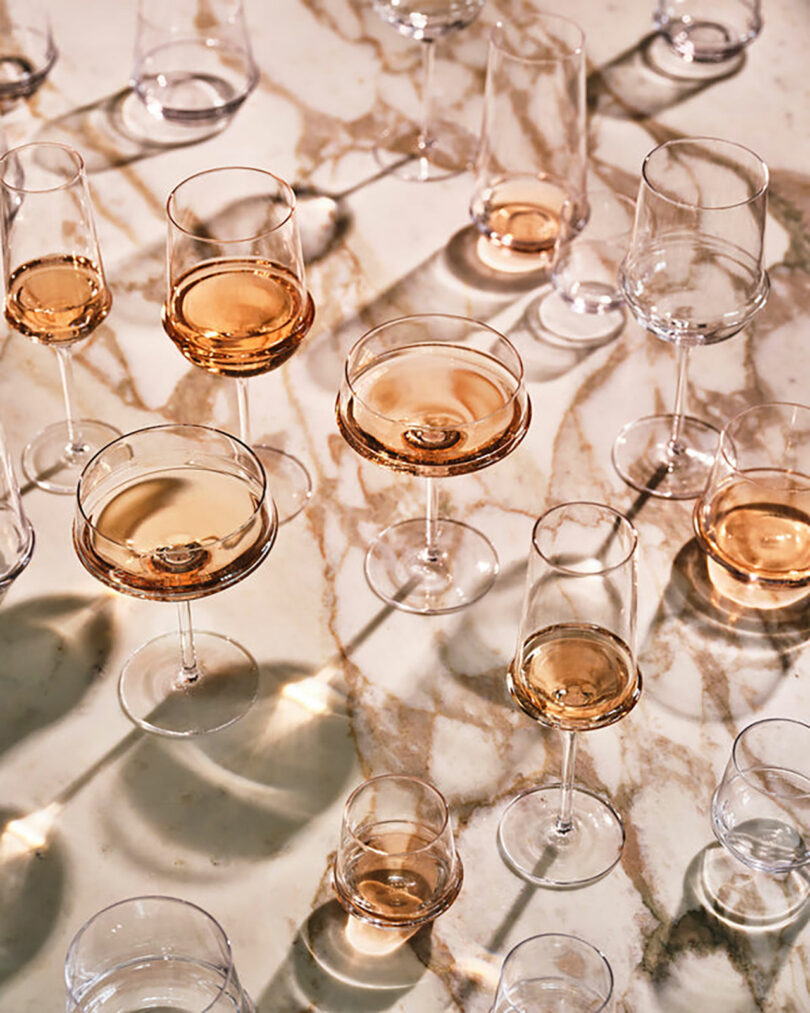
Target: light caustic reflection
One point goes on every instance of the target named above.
(28, 833)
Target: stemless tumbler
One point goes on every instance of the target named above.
(708, 31)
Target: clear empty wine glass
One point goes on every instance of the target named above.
(56, 291)
(574, 670)
(153, 952)
(708, 31)
(237, 303)
(693, 275)
(16, 533)
(27, 50)
(437, 152)
(432, 395)
(554, 972)
(174, 513)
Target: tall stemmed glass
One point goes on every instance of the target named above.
(436, 155)
(693, 275)
(432, 395)
(56, 292)
(575, 670)
(237, 302)
(175, 513)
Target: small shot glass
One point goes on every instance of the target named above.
(27, 50)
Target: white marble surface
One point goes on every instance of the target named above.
(245, 822)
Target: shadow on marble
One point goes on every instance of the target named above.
(53, 649)
(647, 79)
(708, 664)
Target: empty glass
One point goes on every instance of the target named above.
(27, 50)
(708, 31)
(156, 953)
(16, 533)
(192, 63)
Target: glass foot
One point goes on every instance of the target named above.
(446, 154)
(156, 699)
(532, 846)
(560, 323)
(645, 459)
(288, 481)
(461, 568)
(52, 464)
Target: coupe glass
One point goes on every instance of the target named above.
(396, 865)
(56, 292)
(554, 972)
(156, 953)
(753, 519)
(432, 395)
(436, 155)
(693, 275)
(575, 670)
(174, 513)
(237, 302)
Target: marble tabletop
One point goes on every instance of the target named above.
(245, 822)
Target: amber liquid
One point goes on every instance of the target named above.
(399, 881)
(524, 215)
(434, 409)
(575, 676)
(238, 317)
(58, 299)
(174, 534)
(759, 539)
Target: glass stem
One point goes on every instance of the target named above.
(428, 63)
(65, 357)
(564, 823)
(431, 518)
(242, 408)
(680, 398)
(190, 670)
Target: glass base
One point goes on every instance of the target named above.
(644, 458)
(559, 322)
(156, 698)
(533, 848)
(460, 570)
(288, 481)
(53, 465)
(449, 151)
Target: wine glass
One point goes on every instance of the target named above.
(432, 395)
(433, 156)
(753, 518)
(693, 275)
(27, 50)
(554, 972)
(153, 952)
(708, 31)
(396, 865)
(237, 302)
(174, 513)
(56, 292)
(575, 670)
(16, 533)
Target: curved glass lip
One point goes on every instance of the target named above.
(621, 520)
(727, 437)
(285, 186)
(162, 898)
(168, 428)
(743, 772)
(504, 989)
(76, 157)
(412, 779)
(519, 386)
(575, 52)
(677, 141)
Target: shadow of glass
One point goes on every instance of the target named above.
(707, 663)
(53, 648)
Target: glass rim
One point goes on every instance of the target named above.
(795, 723)
(162, 898)
(540, 16)
(622, 519)
(415, 317)
(285, 187)
(72, 153)
(727, 433)
(167, 428)
(717, 141)
(569, 937)
(411, 779)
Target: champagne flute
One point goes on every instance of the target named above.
(693, 275)
(435, 155)
(432, 395)
(56, 292)
(175, 513)
(237, 303)
(575, 670)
